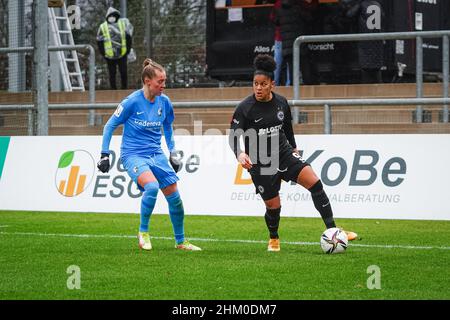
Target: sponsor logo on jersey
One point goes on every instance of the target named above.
(145, 123)
(272, 130)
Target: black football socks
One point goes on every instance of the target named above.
(322, 204)
(272, 218)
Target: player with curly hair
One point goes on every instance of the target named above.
(263, 121)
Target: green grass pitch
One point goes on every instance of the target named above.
(36, 249)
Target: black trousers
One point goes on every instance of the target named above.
(112, 68)
(371, 76)
(308, 69)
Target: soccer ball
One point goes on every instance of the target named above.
(333, 240)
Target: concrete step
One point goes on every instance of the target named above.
(238, 93)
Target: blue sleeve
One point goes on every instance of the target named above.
(167, 126)
(119, 117)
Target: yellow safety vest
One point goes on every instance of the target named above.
(107, 36)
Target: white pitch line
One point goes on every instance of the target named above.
(218, 240)
(4, 226)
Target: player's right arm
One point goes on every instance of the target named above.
(119, 117)
(237, 130)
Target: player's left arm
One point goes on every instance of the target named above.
(168, 125)
(168, 134)
(287, 127)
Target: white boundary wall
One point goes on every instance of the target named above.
(365, 176)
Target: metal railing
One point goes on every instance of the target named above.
(419, 36)
(296, 102)
(64, 48)
(326, 103)
(91, 58)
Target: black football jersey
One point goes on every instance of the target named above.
(260, 123)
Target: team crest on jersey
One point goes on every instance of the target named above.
(261, 189)
(135, 169)
(159, 111)
(280, 115)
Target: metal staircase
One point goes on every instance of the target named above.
(61, 34)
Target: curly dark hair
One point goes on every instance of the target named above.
(264, 62)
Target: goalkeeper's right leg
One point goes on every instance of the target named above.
(144, 241)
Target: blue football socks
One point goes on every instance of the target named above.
(148, 204)
(176, 212)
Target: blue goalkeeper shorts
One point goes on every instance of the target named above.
(158, 164)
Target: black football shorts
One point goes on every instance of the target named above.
(267, 180)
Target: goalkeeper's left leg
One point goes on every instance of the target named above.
(176, 212)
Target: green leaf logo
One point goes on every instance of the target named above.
(66, 159)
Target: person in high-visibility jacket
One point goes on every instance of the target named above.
(114, 39)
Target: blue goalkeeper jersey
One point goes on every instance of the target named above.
(142, 122)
